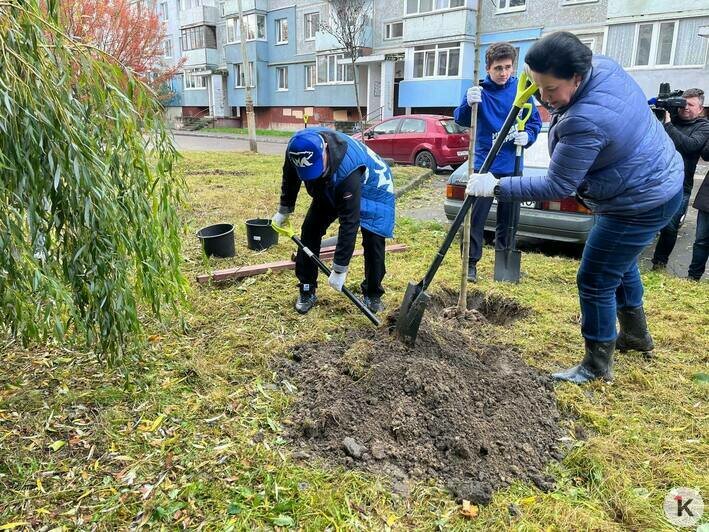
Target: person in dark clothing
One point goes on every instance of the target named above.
(494, 98)
(700, 249)
(689, 133)
(350, 183)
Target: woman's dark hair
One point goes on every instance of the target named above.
(560, 54)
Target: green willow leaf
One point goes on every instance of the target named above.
(89, 232)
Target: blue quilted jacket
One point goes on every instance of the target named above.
(607, 147)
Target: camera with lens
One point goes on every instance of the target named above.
(667, 101)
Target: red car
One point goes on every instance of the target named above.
(430, 141)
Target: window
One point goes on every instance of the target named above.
(393, 30)
(163, 10)
(387, 128)
(590, 42)
(452, 128)
(189, 4)
(330, 71)
(655, 43)
(440, 60)
(240, 75)
(255, 28)
(192, 81)
(426, 6)
(282, 76)
(312, 23)
(575, 2)
(167, 47)
(509, 6)
(310, 77)
(199, 37)
(282, 31)
(413, 125)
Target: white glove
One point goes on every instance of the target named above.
(279, 219)
(521, 138)
(337, 280)
(474, 95)
(481, 185)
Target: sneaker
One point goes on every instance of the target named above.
(306, 300)
(373, 303)
(473, 273)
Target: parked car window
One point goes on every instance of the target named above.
(452, 128)
(412, 125)
(387, 128)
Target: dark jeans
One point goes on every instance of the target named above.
(317, 220)
(609, 278)
(668, 235)
(700, 250)
(480, 209)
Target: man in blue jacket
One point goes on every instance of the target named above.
(350, 183)
(494, 98)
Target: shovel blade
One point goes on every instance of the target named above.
(411, 313)
(507, 265)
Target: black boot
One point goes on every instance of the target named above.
(374, 303)
(596, 364)
(633, 335)
(472, 272)
(306, 300)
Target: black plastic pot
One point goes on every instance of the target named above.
(260, 235)
(217, 240)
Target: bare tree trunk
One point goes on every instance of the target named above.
(356, 89)
(250, 118)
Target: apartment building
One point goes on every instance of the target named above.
(417, 55)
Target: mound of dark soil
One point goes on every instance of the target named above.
(471, 415)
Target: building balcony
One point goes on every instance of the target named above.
(445, 25)
(199, 16)
(231, 7)
(207, 58)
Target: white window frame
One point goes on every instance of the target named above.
(279, 70)
(190, 82)
(238, 74)
(654, 42)
(433, 9)
(508, 9)
(163, 10)
(387, 30)
(310, 83)
(167, 47)
(588, 41)
(189, 4)
(435, 51)
(577, 2)
(280, 22)
(307, 23)
(339, 70)
(236, 28)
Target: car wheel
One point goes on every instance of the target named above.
(425, 159)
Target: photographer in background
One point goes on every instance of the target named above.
(689, 133)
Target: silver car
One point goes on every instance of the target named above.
(563, 221)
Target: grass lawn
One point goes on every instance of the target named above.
(244, 131)
(189, 434)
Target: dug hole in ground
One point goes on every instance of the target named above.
(455, 409)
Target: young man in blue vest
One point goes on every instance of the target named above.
(494, 98)
(350, 183)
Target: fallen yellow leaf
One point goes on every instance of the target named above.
(468, 510)
(14, 524)
(528, 501)
(57, 445)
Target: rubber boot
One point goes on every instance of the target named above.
(597, 363)
(633, 335)
(306, 299)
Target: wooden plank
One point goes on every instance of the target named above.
(258, 269)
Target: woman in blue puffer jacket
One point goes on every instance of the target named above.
(608, 148)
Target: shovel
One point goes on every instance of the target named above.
(288, 231)
(416, 299)
(508, 260)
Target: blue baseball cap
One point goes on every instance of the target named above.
(305, 150)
